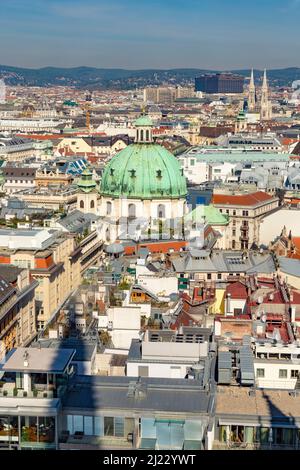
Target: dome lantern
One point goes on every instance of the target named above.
(86, 182)
(144, 127)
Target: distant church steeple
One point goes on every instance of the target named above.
(252, 94)
(265, 105)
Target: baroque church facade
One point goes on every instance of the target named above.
(142, 194)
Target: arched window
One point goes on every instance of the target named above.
(142, 135)
(161, 211)
(107, 235)
(108, 208)
(233, 244)
(81, 205)
(147, 135)
(131, 210)
(92, 205)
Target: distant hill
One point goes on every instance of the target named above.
(91, 77)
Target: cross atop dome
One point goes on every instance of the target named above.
(143, 127)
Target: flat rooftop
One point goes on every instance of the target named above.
(100, 393)
(39, 360)
(85, 350)
(271, 404)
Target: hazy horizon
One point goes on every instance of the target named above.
(148, 68)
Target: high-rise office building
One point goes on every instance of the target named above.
(220, 83)
(159, 95)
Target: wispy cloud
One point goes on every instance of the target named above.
(139, 33)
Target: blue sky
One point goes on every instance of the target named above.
(219, 34)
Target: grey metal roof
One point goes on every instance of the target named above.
(77, 221)
(105, 393)
(10, 272)
(289, 266)
(6, 290)
(246, 366)
(114, 248)
(39, 360)
(84, 349)
(224, 360)
(226, 261)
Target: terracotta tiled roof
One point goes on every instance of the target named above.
(214, 132)
(237, 290)
(288, 141)
(241, 200)
(295, 254)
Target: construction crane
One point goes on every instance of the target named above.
(87, 108)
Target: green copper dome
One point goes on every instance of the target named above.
(143, 121)
(144, 171)
(86, 182)
(208, 214)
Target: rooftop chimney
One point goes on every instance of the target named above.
(25, 356)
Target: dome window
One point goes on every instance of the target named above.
(112, 172)
(132, 173)
(158, 174)
(132, 211)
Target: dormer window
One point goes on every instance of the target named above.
(112, 172)
(181, 171)
(158, 174)
(132, 173)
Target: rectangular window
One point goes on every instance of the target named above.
(264, 435)
(78, 423)
(98, 426)
(237, 311)
(88, 425)
(219, 276)
(294, 374)
(249, 435)
(208, 276)
(70, 424)
(283, 373)
(119, 427)
(108, 426)
(260, 373)
(29, 425)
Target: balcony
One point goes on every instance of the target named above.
(11, 386)
(80, 441)
(217, 445)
